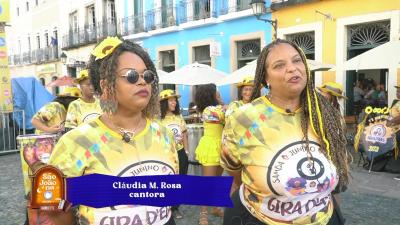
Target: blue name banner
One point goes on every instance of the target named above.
(97, 190)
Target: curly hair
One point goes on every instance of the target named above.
(164, 108)
(331, 134)
(106, 68)
(206, 96)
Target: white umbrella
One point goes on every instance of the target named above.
(193, 74)
(250, 70)
(162, 75)
(384, 56)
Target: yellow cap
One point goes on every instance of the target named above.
(84, 74)
(332, 88)
(247, 81)
(168, 93)
(70, 91)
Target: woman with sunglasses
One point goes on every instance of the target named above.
(126, 139)
(171, 117)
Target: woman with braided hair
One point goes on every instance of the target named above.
(286, 150)
(127, 138)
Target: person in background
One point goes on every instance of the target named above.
(332, 92)
(51, 117)
(126, 137)
(395, 119)
(358, 95)
(245, 89)
(85, 108)
(172, 119)
(285, 149)
(209, 104)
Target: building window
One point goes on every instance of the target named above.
(29, 43)
(43, 81)
(27, 6)
(247, 51)
(111, 11)
(38, 41)
(201, 9)
(37, 2)
(46, 39)
(369, 35)
(91, 16)
(17, 11)
(73, 21)
(19, 47)
(54, 38)
(202, 54)
(168, 65)
(306, 41)
(56, 90)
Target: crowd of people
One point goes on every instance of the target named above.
(286, 150)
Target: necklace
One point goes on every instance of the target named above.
(127, 134)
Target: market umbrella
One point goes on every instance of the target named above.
(61, 81)
(250, 70)
(384, 56)
(193, 74)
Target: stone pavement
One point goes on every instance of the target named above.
(372, 199)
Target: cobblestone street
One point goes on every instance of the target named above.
(372, 199)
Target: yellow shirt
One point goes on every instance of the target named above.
(233, 106)
(80, 112)
(395, 110)
(51, 114)
(281, 184)
(177, 125)
(94, 148)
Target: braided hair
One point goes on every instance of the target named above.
(328, 129)
(106, 68)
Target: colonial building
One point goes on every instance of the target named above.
(33, 40)
(221, 33)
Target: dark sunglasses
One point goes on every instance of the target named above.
(132, 76)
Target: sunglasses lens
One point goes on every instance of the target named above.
(148, 76)
(132, 76)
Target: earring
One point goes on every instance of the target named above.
(268, 90)
(108, 105)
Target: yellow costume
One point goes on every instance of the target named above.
(51, 114)
(233, 106)
(177, 125)
(94, 148)
(282, 184)
(209, 147)
(80, 112)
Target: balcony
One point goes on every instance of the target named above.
(230, 6)
(132, 25)
(36, 56)
(195, 10)
(160, 18)
(89, 34)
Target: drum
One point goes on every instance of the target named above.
(34, 148)
(195, 132)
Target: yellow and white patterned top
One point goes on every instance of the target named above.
(233, 106)
(51, 114)
(177, 125)
(94, 148)
(395, 110)
(281, 184)
(80, 112)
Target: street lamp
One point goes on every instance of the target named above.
(63, 58)
(259, 9)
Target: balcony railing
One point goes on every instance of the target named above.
(229, 6)
(132, 25)
(89, 34)
(160, 18)
(36, 56)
